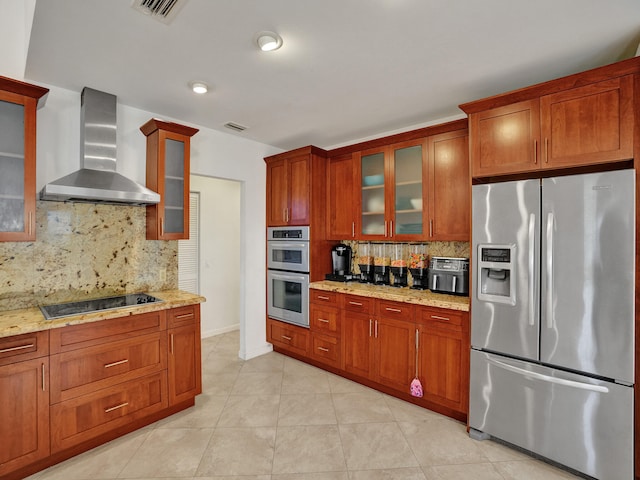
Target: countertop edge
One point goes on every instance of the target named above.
(406, 295)
(29, 320)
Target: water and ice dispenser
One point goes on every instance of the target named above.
(496, 273)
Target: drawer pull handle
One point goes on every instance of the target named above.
(322, 349)
(437, 317)
(107, 410)
(323, 320)
(288, 339)
(13, 349)
(396, 310)
(120, 362)
(322, 297)
(358, 304)
(43, 382)
(185, 315)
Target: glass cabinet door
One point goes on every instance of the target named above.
(408, 203)
(373, 198)
(174, 191)
(12, 167)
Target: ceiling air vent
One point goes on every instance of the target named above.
(162, 10)
(235, 127)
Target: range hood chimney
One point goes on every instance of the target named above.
(97, 180)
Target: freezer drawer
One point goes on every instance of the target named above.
(583, 423)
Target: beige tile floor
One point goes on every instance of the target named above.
(274, 418)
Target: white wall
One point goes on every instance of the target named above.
(219, 253)
(16, 18)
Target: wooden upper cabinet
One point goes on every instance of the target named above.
(449, 186)
(505, 139)
(299, 189)
(18, 104)
(168, 170)
(341, 198)
(288, 190)
(590, 124)
(579, 126)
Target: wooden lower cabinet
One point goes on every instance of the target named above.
(325, 320)
(443, 357)
(358, 345)
(24, 413)
(89, 416)
(185, 366)
(287, 337)
(69, 389)
(394, 353)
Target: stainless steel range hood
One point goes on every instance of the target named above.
(97, 180)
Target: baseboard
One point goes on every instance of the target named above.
(220, 331)
(256, 352)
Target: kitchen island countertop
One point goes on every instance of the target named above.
(28, 320)
(418, 297)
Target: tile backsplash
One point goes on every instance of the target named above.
(84, 250)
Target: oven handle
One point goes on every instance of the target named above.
(280, 245)
(304, 278)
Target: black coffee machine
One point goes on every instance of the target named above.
(341, 262)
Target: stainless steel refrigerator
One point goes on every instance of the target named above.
(552, 319)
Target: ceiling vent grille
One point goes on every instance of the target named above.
(235, 127)
(162, 10)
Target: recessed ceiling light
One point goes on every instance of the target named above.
(268, 41)
(199, 87)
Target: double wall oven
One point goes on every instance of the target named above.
(288, 274)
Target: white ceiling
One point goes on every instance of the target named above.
(348, 69)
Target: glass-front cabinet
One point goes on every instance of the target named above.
(18, 104)
(168, 147)
(373, 220)
(391, 185)
(408, 169)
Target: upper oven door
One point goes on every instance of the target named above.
(288, 255)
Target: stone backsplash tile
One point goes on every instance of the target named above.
(85, 250)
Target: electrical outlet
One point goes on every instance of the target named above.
(163, 274)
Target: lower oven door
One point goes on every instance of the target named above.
(288, 297)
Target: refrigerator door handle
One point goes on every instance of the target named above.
(532, 312)
(549, 379)
(550, 223)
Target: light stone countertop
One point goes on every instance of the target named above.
(407, 295)
(28, 320)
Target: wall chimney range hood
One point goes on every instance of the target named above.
(97, 180)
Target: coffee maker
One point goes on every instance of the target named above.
(341, 262)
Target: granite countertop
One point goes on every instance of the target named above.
(28, 320)
(408, 295)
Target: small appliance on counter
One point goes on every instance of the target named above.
(449, 275)
(381, 265)
(341, 262)
(419, 267)
(399, 269)
(365, 263)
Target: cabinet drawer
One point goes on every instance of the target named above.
(325, 319)
(325, 349)
(449, 319)
(390, 309)
(188, 315)
(79, 372)
(288, 336)
(82, 418)
(355, 303)
(89, 334)
(322, 297)
(23, 347)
